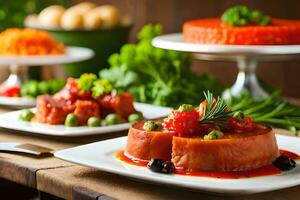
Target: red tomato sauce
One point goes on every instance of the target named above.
(263, 171)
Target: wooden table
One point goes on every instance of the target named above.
(71, 181)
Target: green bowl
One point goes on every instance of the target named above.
(104, 42)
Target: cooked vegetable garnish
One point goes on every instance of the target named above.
(273, 110)
(26, 115)
(112, 119)
(213, 135)
(243, 15)
(93, 122)
(151, 125)
(155, 75)
(71, 120)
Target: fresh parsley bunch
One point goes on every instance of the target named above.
(157, 76)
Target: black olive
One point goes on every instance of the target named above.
(168, 168)
(156, 165)
(284, 163)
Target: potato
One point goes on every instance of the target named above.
(50, 17)
(31, 20)
(109, 14)
(83, 7)
(91, 21)
(71, 20)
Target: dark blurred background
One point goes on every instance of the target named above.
(172, 14)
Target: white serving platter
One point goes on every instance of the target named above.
(101, 155)
(10, 120)
(73, 54)
(175, 42)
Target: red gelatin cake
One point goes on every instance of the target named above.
(215, 31)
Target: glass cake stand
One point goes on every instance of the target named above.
(246, 57)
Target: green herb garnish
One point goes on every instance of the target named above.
(243, 15)
(86, 81)
(100, 87)
(216, 111)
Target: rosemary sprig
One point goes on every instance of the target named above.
(215, 113)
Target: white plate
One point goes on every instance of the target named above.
(175, 42)
(73, 54)
(17, 102)
(10, 120)
(101, 155)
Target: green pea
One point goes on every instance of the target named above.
(112, 119)
(213, 135)
(93, 122)
(239, 115)
(135, 117)
(71, 120)
(26, 115)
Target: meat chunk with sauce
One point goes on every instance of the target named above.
(51, 111)
(84, 109)
(121, 104)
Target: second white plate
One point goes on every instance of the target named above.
(101, 155)
(10, 120)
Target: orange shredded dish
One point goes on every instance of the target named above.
(15, 41)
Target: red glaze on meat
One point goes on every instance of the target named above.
(83, 104)
(84, 109)
(70, 93)
(51, 111)
(121, 104)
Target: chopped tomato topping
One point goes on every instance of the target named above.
(184, 124)
(239, 126)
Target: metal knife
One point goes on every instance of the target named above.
(24, 148)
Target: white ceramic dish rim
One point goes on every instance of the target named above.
(10, 120)
(107, 162)
(73, 54)
(175, 41)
